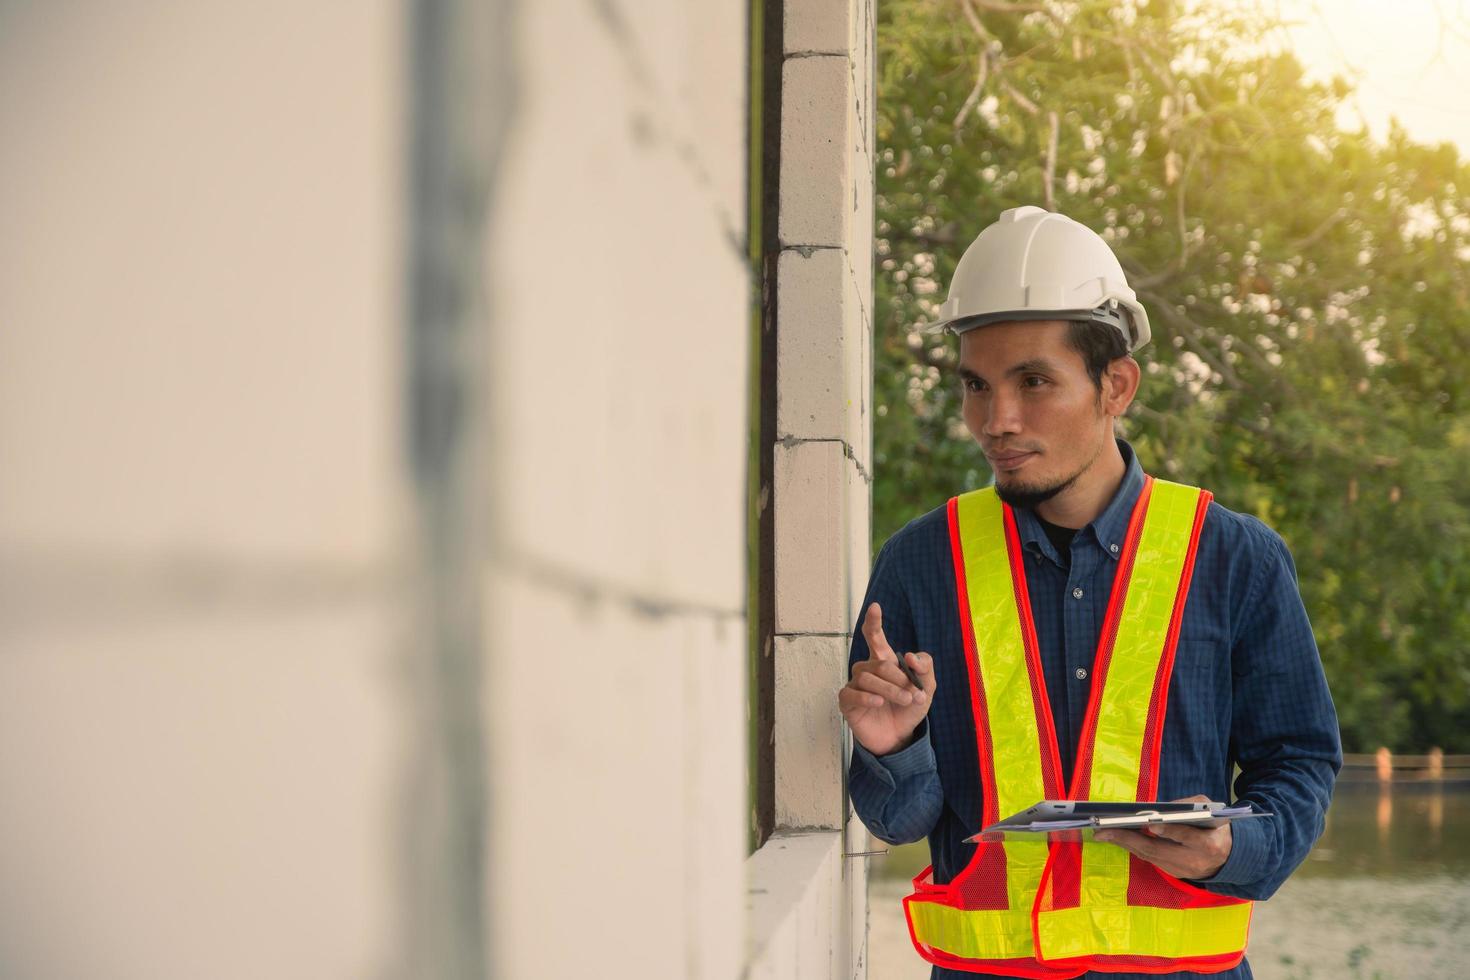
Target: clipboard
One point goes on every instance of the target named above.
(1078, 819)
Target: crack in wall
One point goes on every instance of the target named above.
(651, 125)
(592, 592)
(834, 635)
(807, 251)
(44, 593)
(788, 441)
(857, 107)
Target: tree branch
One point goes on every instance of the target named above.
(1021, 100)
(999, 7)
(1194, 335)
(1316, 234)
(1050, 173)
(982, 72)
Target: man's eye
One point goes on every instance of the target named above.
(972, 385)
(1033, 381)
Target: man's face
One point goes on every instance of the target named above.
(1032, 407)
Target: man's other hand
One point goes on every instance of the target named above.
(1175, 848)
(881, 705)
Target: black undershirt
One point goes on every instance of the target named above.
(1061, 538)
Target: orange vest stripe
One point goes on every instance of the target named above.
(1124, 913)
(1155, 577)
(1153, 739)
(988, 905)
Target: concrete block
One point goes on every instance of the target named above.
(715, 806)
(816, 194)
(708, 50)
(595, 741)
(816, 940)
(810, 537)
(808, 730)
(618, 368)
(791, 894)
(825, 26)
(228, 381)
(206, 794)
(814, 351)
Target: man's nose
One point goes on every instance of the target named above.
(1002, 414)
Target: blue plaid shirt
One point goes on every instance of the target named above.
(1247, 690)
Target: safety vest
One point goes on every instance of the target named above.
(1058, 909)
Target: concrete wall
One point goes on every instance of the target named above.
(205, 739)
(373, 420)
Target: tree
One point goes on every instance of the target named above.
(1306, 288)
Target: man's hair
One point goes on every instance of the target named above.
(1099, 345)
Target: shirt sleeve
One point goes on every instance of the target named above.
(897, 796)
(1284, 734)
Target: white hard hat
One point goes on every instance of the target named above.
(1034, 264)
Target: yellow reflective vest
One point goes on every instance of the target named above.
(1059, 909)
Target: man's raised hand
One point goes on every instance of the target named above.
(881, 705)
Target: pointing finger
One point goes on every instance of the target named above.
(878, 648)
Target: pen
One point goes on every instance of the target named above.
(909, 672)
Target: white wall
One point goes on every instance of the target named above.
(222, 735)
(202, 737)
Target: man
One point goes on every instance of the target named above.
(1221, 670)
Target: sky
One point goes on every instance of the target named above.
(1410, 59)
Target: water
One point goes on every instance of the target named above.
(1384, 895)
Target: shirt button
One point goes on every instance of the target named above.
(1076, 593)
(1113, 548)
(1081, 674)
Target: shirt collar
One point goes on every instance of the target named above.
(1108, 528)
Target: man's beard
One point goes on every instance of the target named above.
(1030, 497)
(1020, 495)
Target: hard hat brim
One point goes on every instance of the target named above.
(1116, 317)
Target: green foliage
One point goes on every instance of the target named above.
(1306, 288)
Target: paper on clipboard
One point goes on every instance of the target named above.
(1078, 819)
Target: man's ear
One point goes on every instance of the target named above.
(1119, 385)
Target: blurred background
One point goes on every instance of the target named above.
(443, 443)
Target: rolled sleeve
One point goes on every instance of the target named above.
(915, 759)
(897, 796)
